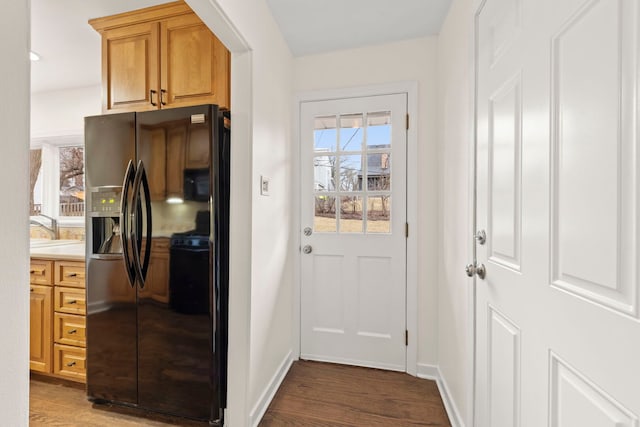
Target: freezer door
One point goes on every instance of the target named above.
(111, 332)
(111, 296)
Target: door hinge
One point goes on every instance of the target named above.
(406, 337)
(407, 121)
(406, 229)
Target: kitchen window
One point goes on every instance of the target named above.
(57, 179)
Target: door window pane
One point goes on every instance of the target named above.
(351, 132)
(379, 172)
(351, 173)
(379, 129)
(71, 181)
(325, 214)
(379, 214)
(324, 170)
(351, 214)
(324, 134)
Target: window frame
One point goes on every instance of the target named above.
(51, 175)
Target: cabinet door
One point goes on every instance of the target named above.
(194, 64)
(157, 283)
(130, 68)
(40, 328)
(160, 284)
(152, 150)
(176, 141)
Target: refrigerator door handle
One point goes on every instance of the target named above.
(124, 223)
(141, 183)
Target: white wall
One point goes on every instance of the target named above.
(260, 304)
(14, 252)
(62, 112)
(411, 60)
(455, 139)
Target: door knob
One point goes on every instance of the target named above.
(307, 249)
(481, 237)
(475, 269)
(307, 231)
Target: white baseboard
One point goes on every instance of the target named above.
(428, 372)
(449, 404)
(270, 391)
(432, 372)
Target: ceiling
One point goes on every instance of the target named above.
(315, 26)
(70, 48)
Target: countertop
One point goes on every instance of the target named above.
(68, 250)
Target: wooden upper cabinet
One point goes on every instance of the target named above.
(188, 78)
(161, 57)
(130, 67)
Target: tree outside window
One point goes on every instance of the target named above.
(71, 181)
(58, 189)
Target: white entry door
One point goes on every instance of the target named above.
(353, 216)
(558, 332)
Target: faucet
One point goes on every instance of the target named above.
(52, 230)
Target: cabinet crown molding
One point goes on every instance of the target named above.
(147, 14)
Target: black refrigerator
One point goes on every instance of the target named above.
(157, 233)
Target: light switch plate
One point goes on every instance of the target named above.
(264, 185)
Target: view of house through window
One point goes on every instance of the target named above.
(57, 181)
(352, 173)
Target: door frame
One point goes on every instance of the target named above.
(410, 88)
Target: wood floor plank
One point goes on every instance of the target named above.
(324, 394)
(313, 394)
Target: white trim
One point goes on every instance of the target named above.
(432, 372)
(428, 372)
(270, 390)
(241, 205)
(449, 405)
(60, 138)
(411, 89)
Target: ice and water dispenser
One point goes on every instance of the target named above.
(105, 218)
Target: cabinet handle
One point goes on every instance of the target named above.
(40, 272)
(72, 274)
(162, 92)
(32, 289)
(72, 331)
(70, 364)
(151, 93)
(72, 301)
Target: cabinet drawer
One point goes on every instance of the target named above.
(70, 362)
(69, 273)
(40, 272)
(70, 329)
(70, 300)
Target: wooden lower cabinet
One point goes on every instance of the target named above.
(70, 362)
(157, 282)
(41, 303)
(58, 322)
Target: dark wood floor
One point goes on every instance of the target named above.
(312, 395)
(323, 394)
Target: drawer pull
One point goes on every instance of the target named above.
(70, 364)
(72, 275)
(72, 331)
(40, 272)
(72, 302)
(32, 289)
